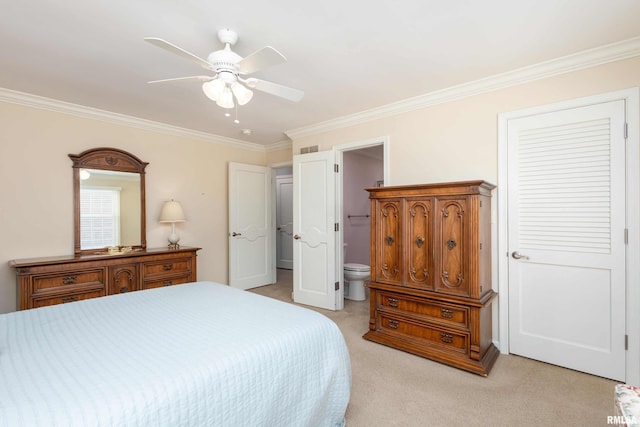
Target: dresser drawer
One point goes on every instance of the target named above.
(78, 277)
(149, 284)
(45, 300)
(424, 334)
(166, 267)
(433, 311)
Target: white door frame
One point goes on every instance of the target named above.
(355, 145)
(273, 167)
(632, 98)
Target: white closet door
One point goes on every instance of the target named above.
(251, 231)
(566, 214)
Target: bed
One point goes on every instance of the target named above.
(198, 354)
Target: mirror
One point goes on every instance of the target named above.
(109, 200)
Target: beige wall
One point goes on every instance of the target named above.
(458, 140)
(447, 142)
(36, 208)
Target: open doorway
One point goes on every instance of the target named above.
(362, 164)
(362, 168)
(283, 177)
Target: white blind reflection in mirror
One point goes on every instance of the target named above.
(99, 217)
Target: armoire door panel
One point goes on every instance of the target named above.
(420, 244)
(389, 242)
(454, 277)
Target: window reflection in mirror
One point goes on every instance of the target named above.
(109, 208)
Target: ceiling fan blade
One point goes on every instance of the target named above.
(200, 78)
(276, 89)
(259, 59)
(179, 51)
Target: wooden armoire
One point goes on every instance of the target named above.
(430, 280)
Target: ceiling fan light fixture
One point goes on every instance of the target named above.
(243, 95)
(229, 69)
(213, 89)
(226, 98)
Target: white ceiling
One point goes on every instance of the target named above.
(347, 56)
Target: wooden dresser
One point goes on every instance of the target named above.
(430, 282)
(57, 280)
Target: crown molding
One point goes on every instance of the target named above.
(277, 146)
(586, 59)
(35, 101)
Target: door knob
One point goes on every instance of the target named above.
(234, 234)
(297, 237)
(517, 255)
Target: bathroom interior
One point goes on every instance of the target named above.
(362, 168)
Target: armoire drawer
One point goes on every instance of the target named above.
(70, 278)
(166, 267)
(149, 284)
(426, 334)
(433, 311)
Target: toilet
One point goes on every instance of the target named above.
(355, 275)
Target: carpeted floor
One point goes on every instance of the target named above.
(394, 388)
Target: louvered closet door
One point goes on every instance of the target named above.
(566, 217)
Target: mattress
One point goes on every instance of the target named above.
(198, 354)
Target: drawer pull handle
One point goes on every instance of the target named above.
(446, 313)
(446, 338)
(419, 241)
(451, 243)
(393, 302)
(389, 240)
(67, 280)
(167, 283)
(69, 299)
(393, 324)
(123, 289)
(167, 267)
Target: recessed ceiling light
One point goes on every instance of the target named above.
(246, 132)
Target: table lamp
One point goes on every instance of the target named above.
(172, 212)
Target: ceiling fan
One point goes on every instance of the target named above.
(230, 69)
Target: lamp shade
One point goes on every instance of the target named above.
(226, 98)
(213, 88)
(243, 95)
(172, 212)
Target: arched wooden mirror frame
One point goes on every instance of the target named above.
(111, 159)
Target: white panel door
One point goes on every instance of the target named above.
(314, 246)
(566, 214)
(284, 221)
(250, 227)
